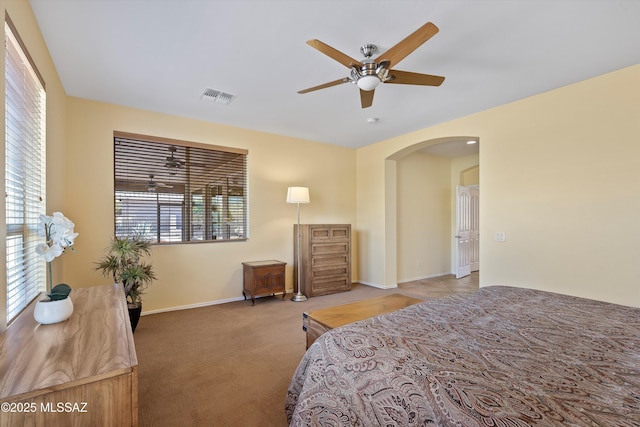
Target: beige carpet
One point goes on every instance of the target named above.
(230, 364)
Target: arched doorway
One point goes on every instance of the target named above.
(420, 201)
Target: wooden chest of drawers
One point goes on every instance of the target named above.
(325, 256)
(263, 278)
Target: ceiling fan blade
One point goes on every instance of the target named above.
(398, 52)
(333, 53)
(366, 98)
(325, 85)
(408, 78)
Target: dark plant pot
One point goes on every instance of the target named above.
(134, 316)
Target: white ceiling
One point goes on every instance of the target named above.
(161, 55)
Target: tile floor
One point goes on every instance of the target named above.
(441, 286)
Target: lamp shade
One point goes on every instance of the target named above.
(368, 82)
(298, 195)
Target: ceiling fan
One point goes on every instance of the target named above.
(369, 73)
(152, 186)
(171, 162)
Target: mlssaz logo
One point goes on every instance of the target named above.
(63, 407)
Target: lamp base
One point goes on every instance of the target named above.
(298, 297)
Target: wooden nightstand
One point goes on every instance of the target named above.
(263, 278)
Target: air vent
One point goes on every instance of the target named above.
(217, 96)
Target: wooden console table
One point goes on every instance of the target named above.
(80, 372)
(318, 322)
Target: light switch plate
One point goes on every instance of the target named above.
(500, 236)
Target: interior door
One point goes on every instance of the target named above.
(463, 231)
(474, 228)
(467, 230)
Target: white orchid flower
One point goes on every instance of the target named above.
(59, 235)
(49, 252)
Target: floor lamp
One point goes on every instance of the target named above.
(298, 195)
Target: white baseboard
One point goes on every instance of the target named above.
(203, 304)
(223, 301)
(376, 285)
(430, 276)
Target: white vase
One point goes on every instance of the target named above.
(48, 312)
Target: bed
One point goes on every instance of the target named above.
(502, 356)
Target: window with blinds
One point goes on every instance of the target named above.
(25, 106)
(172, 191)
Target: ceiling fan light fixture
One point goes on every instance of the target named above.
(368, 82)
(370, 72)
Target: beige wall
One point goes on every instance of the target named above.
(192, 274)
(558, 174)
(423, 216)
(470, 176)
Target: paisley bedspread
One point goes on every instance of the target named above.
(502, 356)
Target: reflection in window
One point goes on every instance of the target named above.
(171, 191)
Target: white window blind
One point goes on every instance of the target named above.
(25, 160)
(173, 191)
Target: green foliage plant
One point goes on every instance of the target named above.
(123, 262)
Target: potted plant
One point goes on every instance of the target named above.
(122, 261)
(59, 236)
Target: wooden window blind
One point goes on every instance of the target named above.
(171, 191)
(25, 161)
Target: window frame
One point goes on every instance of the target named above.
(199, 173)
(24, 174)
